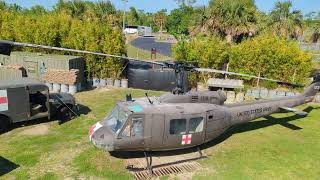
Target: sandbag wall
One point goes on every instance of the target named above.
(66, 81)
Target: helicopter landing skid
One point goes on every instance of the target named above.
(151, 166)
(149, 162)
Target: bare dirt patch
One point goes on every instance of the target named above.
(36, 130)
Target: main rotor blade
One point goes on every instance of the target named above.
(10, 43)
(237, 74)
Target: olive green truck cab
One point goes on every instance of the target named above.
(27, 99)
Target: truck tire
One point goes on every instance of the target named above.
(64, 114)
(4, 124)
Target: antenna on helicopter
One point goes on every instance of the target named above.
(129, 97)
(149, 99)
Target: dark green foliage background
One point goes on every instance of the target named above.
(90, 26)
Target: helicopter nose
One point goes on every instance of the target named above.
(93, 129)
(101, 137)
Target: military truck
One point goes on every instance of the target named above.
(27, 99)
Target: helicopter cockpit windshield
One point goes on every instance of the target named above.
(116, 119)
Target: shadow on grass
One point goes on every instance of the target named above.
(254, 125)
(250, 126)
(6, 166)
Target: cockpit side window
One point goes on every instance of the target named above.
(127, 130)
(178, 126)
(196, 125)
(116, 119)
(134, 128)
(137, 127)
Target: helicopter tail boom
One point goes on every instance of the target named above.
(314, 88)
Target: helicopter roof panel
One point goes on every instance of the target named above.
(142, 105)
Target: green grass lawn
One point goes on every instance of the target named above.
(261, 149)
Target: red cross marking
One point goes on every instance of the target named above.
(91, 130)
(3, 100)
(186, 139)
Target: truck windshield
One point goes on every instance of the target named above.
(116, 119)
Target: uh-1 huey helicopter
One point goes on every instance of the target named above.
(178, 120)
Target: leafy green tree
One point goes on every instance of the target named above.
(91, 29)
(312, 27)
(232, 19)
(272, 57)
(179, 20)
(36, 10)
(3, 5)
(15, 7)
(160, 19)
(208, 52)
(315, 37)
(133, 17)
(145, 18)
(285, 22)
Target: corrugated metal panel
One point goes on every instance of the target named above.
(10, 74)
(55, 63)
(15, 60)
(3, 59)
(29, 60)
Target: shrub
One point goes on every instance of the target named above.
(62, 30)
(271, 57)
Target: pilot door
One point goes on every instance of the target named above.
(183, 130)
(132, 135)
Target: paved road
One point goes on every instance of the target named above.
(147, 43)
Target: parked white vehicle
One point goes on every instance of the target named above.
(145, 31)
(131, 30)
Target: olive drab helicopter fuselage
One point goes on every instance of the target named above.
(173, 122)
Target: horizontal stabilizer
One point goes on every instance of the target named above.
(296, 111)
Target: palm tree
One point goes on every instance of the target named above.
(160, 19)
(103, 8)
(231, 19)
(75, 8)
(315, 37)
(285, 22)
